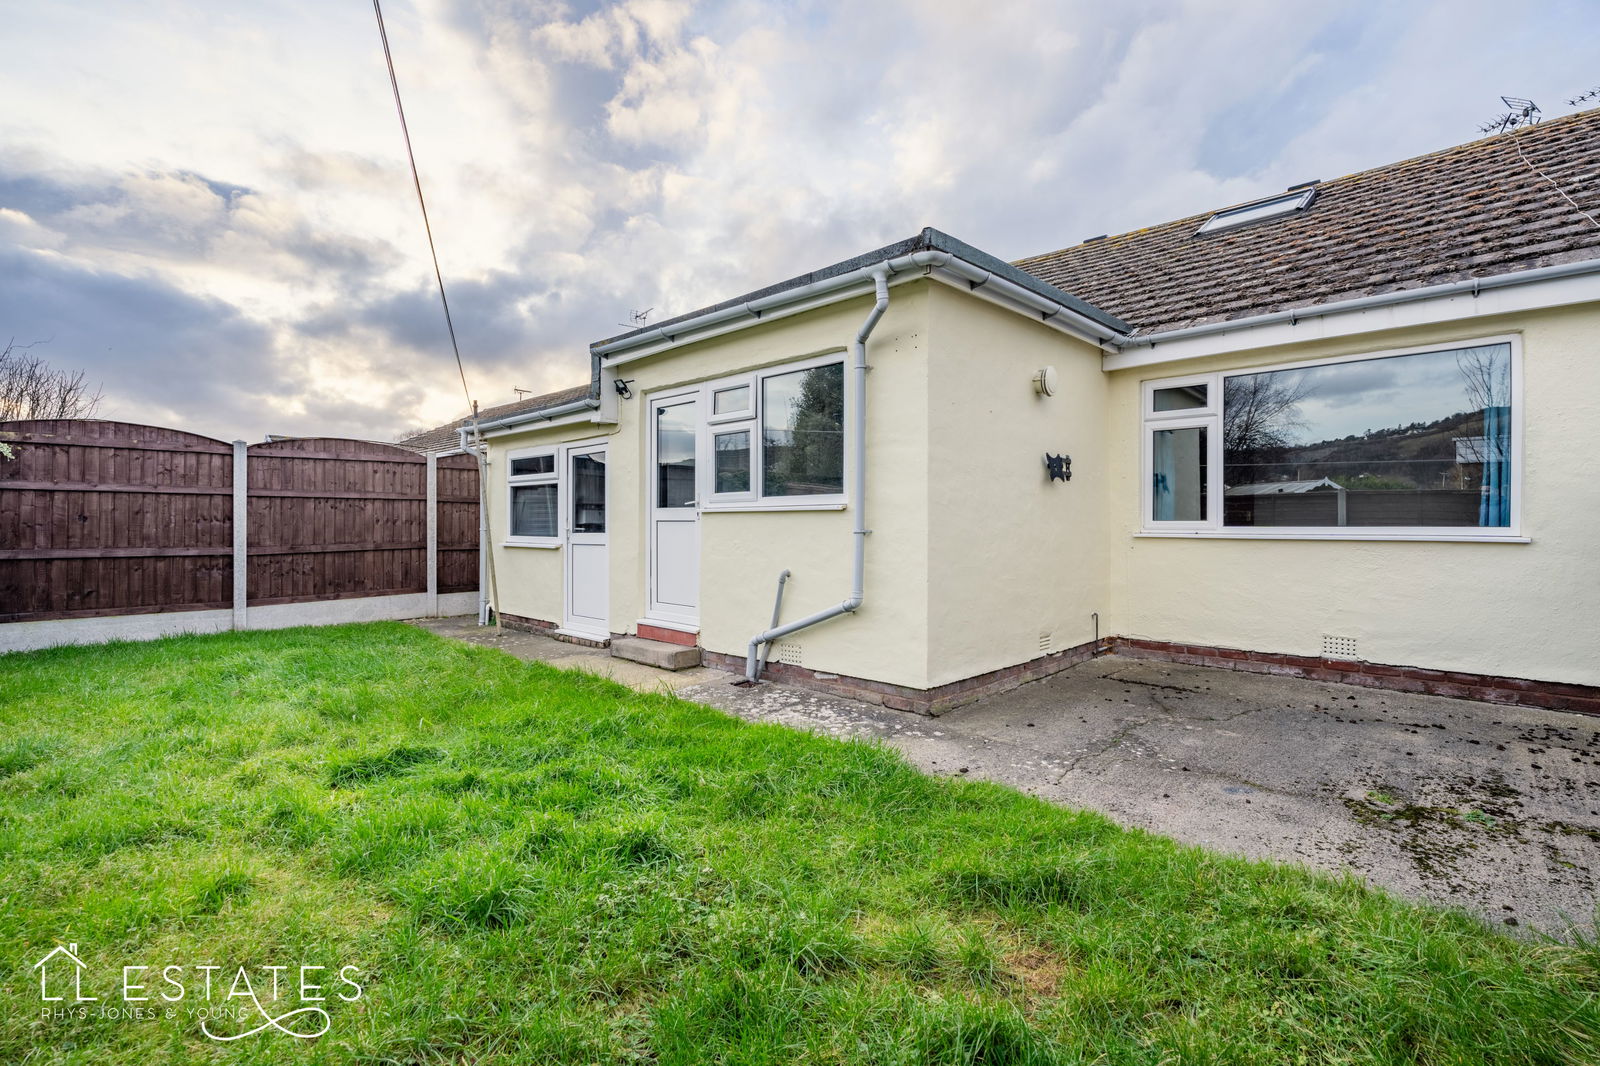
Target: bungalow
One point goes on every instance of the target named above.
(922, 473)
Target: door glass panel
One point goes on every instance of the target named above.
(589, 493)
(675, 455)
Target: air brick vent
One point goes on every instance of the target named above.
(1047, 641)
(1338, 647)
(788, 653)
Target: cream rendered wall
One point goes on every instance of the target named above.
(530, 582)
(1012, 554)
(742, 553)
(1518, 610)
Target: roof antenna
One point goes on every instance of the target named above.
(1522, 113)
(521, 392)
(1583, 98)
(639, 318)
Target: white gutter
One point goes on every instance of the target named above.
(642, 345)
(858, 490)
(672, 331)
(1048, 309)
(1191, 341)
(588, 403)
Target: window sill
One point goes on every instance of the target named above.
(775, 505)
(1438, 537)
(543, 542)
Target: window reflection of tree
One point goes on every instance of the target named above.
(803, 433)
(1449, 448)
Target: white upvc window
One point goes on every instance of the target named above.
(533, 498)
(1411, 444)
(731, 400)
(775, 438)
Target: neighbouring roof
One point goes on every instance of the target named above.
(1473, 211)
(1273, 488)
(445, 438)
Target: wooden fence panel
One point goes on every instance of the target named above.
(105, 518)
(331, 519)
(101, 518)
(458, 523)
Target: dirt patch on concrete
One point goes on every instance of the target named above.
(1492, 809)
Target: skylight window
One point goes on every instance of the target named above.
(1261, 210)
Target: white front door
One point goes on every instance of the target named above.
(588, 574)
(674, 571)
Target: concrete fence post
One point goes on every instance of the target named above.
(433, 535)
(241, 532)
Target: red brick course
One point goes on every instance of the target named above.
(525, 625)
(538, 625)
(1519, 691)
(931, 701)
(1486, 688)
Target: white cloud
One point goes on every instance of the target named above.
(245, 163)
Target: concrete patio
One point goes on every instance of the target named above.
(1490, 808)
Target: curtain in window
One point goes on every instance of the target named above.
(1494, 505)
(533, 511)
(1164, 507)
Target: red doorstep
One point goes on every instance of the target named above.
(671, 636)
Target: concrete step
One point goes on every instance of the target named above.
(657, 653)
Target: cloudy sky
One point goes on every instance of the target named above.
(206, 206)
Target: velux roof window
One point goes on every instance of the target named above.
(1295, 199)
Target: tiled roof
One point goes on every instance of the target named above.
(445, 438)
(1472, 211)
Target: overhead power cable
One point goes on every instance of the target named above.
(444, 302)
(416, 181)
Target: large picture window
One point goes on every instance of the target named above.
(1399, 443)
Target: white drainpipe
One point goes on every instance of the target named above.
(858, 591)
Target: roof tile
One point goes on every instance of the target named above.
(1474, 210)
(445, 438)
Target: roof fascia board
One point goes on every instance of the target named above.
(1065, 322)
(530, 424)
(840, 295)
(946, 266)
(1526, 290)
(588, 403)
(982, 268)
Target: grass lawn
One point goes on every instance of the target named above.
(527, 865)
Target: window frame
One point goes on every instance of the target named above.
(515, 481)
(712, 426)
(752, 474)
(746, 381)
(1263, 210)
(1212, 416)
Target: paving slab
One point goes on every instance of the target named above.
(1492, 809)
